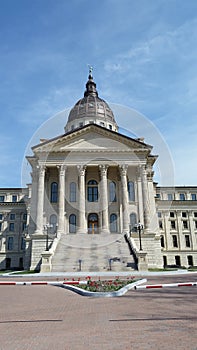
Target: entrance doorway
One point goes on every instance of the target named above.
(92, 223)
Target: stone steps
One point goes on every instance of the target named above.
(96, 253)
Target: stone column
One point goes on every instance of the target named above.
(145, 198)
(104, 198)
(33, 200)
(123, 174)
(140, 199)
(61, 208)
(82, 227)
(40, 200)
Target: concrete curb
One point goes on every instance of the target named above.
(117, 293)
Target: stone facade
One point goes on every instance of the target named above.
(93, 200)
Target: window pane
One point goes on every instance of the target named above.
(112, 192)
(72, 223)
(2, 198)
(162, 241)
(190, 260)
(11, 226)
(54, 192)
(92, 191)
(12, 216)
(131, 192)
(10, 243)
(193, 197)
(14, 198)
(53, 223)
(187, 241)
(182, 196)
(175, 241)
(133, 221)
(72, 192)
(113, 223)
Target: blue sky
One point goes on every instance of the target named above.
(144, 57)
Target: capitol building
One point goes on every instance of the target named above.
(93, 204)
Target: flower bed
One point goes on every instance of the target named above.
(106, 285)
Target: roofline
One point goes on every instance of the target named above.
(87, 126)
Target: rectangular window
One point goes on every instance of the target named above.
(159, 214)
(185, 224)
(172, 214)
(173, 225)
(24, 226)
(195, 224)
(175, 241)
(160, 224)
(0, 226)
(190, 260)
(11, 226)
(162, 241)
(2, 199)
(195, 214)
(14, 198)
(184, 214)
(187, 241)
(25, 216)
(10, 243)
(170, 197)
(22, 243)
(182, 196)
(1, 216)
(193, 195)
(12, 216)
(178, 260)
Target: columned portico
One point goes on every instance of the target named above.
(82, 227)
(40, 199)
(61, 211)
(104, 199)
(91, 171)
(123, 173)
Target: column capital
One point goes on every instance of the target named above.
(81, 170)
(62, 169)
(123, 169)
(41, 168)
(103, 169)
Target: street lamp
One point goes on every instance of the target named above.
(46, 229)
(139, 228)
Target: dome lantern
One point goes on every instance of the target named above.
(91, 109)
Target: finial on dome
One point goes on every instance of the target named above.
(90, 85)
(90, 71)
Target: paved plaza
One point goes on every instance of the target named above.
(49, 317)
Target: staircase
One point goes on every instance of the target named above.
(98, 252)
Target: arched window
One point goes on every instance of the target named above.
(54, 192)
(72, 223)
(133, 221)
(112, 191)
(131, 191)
(92, 191)
(72, 192)
(113, 223)
(53, 223)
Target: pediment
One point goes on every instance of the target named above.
(90, 139)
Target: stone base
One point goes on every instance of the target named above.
(142, 261)
(46, 262)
